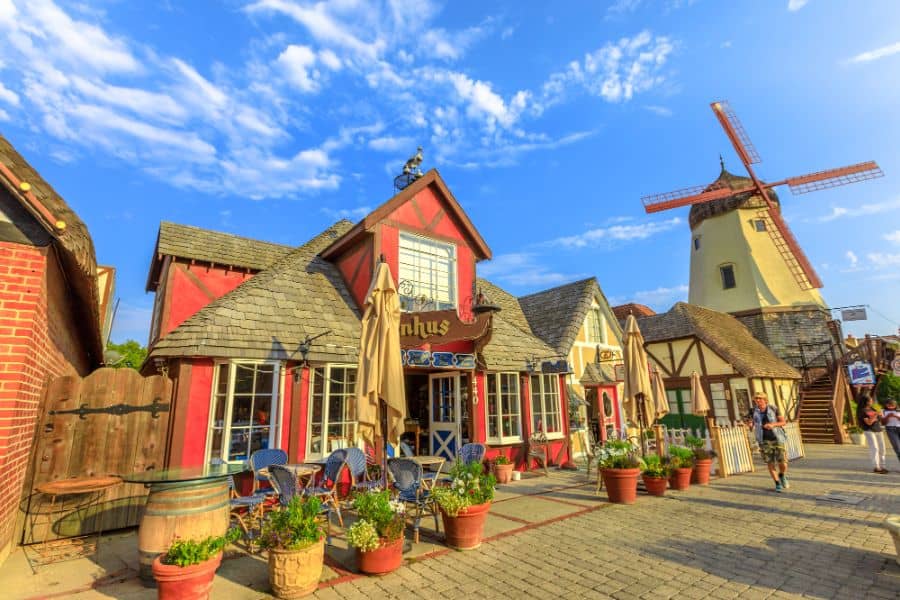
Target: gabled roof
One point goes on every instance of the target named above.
(638, 310)
(70, 235)
(194, 243)
(556, 315)
(598, 374)
(431, 178)
(267, 316)
(727, 336)
(510, 348)
(509, 304)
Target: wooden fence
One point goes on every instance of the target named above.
(793, 447)
(732, 445)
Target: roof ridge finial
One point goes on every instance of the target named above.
(722, 162)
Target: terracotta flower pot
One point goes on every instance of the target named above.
(185, 583)
(680, 478)
(383, 559)
(700, 474)
(464, 531)
(656, 486)
(621, 485)
(296, 573)
(503, 473)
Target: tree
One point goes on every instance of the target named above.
(129, 355)
(888, 387)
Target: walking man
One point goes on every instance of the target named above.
(767, 422)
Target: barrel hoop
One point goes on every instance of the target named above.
(188, 485)
(184, 499)
(149, 512)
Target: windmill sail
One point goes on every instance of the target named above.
(735, 131)
(684, 197)
(831, 178)
(797, 262)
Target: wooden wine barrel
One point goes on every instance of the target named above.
(189, 511)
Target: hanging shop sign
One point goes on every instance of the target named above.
(555, 366)
(895, 366)
(861, 373)
(441, 327)
(437, 360)
(857, 313)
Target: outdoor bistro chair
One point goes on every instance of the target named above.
(262, 459)
(241, 506)
(537, 449)
(468, 454)
(358, 467)
(407, 476)
(334, 467)
(285, 483)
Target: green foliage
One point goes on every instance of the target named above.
(380, 519)
(185, 553)
(470, 486)
(132, 353)
(296, 526)
(698, 447)
(680, 457)
(619, 454)
(654, 467)
(854, 429)
(888, 387)
(501, 460)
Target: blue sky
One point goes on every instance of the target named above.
(549, 121)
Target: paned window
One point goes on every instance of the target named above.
(596, 326)
(546, 413)
(719, 403)
(427, 274)
(727, 272)
(503, 408)
(244, 403)
(759, 224)
(332, 419)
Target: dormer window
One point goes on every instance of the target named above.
(427, 274)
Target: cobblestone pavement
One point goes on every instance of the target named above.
(733, 539)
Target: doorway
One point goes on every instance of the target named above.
(680, 415)
(445, 416)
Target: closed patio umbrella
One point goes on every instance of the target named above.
(638, 398)
(380, 367)
(660, 400)
(698, 397)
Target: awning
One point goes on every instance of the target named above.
(575, 398)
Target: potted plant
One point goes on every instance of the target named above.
(187, 569)
(503, 468)
(856, 435)
(464, 504)
(619, 465)
(378, 533)
(295, 539)
(655, 475)
(681, 463)
(703, 459)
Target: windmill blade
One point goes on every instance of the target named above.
(684, 197)
(790, 251)
(736, 132)
(832, 178)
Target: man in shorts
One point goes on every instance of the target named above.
(767, 422)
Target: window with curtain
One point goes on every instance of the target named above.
(332, 410)
(427, 274)
(503, 408)
(546, 413)
(243, 412)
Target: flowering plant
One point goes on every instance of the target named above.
(469, 486)
(295, 527)
(698, 447)
(501, 460)
(681, 457)
(619, 454)
(381, 520)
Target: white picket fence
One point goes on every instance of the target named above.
(733, 447)
(793, 447)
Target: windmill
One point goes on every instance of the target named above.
(785, 242)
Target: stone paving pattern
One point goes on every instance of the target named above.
(733, 539)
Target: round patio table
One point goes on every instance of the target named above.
(190, 503)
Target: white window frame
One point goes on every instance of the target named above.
(326, 420)
(426, 289)
(501, 439)
(596, 322)
(274, 421)
(543, 395)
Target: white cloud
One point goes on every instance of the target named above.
(893, 237)
(297, 62)
(330, 60)
(795, 5)
(659, 299)
(883, 259)
(521, 269)
(661, 111)
(450, 45)
(8, 96)
(851, 256)
(392, 144)
(838, 212)
(4, 116)
(876, 54)
(353, 214)
(615, 233)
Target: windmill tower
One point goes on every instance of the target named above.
(745, 260)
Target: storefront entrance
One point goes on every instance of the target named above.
(602, 403)
(680, 412)
(445, 417)
(437, 404)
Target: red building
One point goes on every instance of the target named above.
(50, 315)
(261, 340)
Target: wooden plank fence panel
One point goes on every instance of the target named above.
(734, 451)
(793, 446)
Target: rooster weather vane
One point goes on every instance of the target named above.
(411, 171)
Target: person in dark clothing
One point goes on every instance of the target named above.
(767, 423)
(869, 421)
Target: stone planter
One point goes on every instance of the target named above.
(185, 583)
(465, 530)
(383, 559)
(503, 473)
(681, 478)
(893, 525)
(621, 485)
(296, 573)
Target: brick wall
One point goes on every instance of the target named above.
(38, 341)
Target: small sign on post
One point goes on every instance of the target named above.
(861, 373)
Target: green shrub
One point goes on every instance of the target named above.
(619, 454)
(381, 520)
(680, 457)
(296, 526)
(501, 460)
(470, 486)
(654, 467)
(185, 553)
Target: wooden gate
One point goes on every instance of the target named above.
(112, 422)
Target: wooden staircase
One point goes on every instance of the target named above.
(816, 413)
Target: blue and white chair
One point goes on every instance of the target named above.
(263, 459)
(334, 467)
(407, 476)
(285, 483)
(358, 467)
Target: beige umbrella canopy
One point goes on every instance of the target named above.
(698, 396)
(660, 400)
(380, 368)
(637, 377)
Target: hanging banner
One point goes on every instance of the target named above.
(854, 314)
(439, 327)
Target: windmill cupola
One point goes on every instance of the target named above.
(726, 179)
